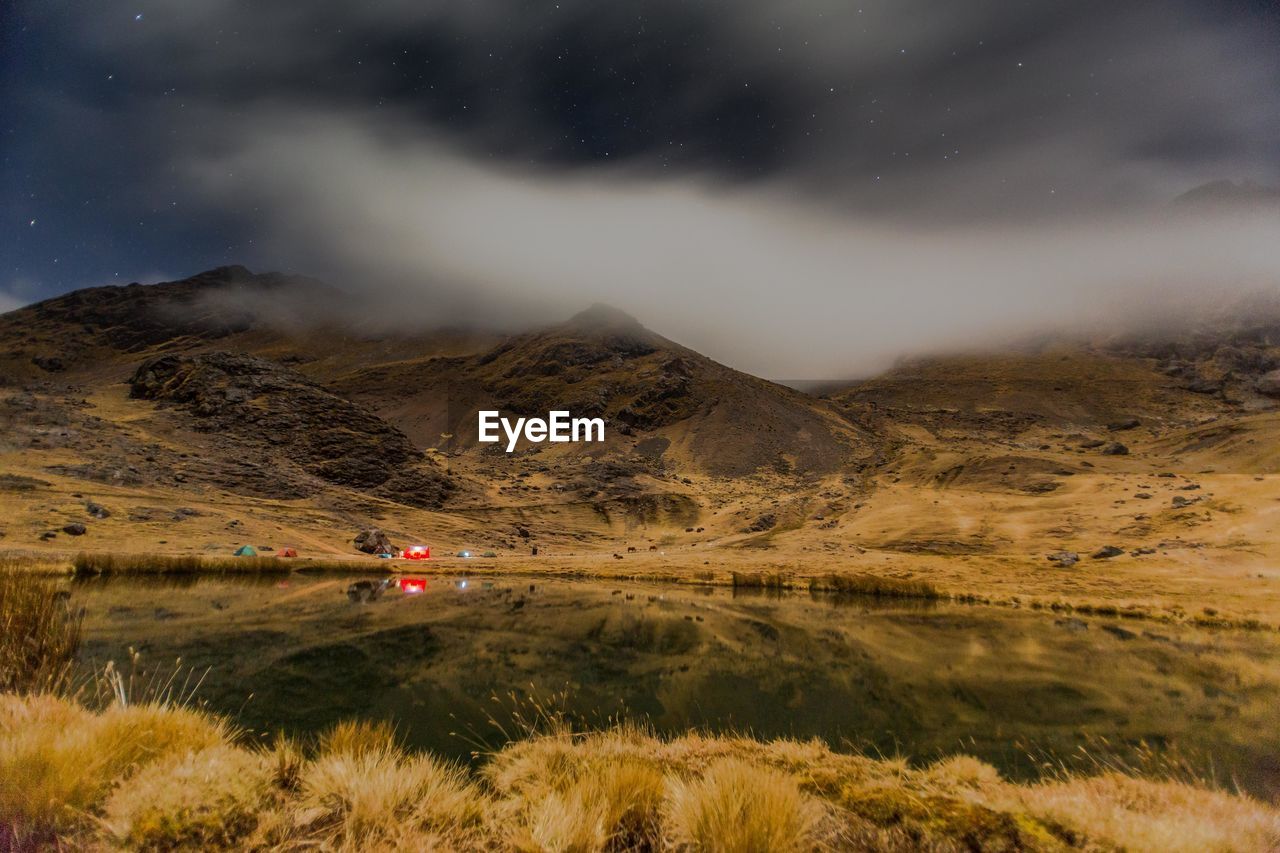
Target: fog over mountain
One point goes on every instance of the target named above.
(797, 189)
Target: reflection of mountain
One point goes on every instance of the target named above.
(1224, 194)
(886, 678)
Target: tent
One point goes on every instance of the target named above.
(246, 551)
(287, 552)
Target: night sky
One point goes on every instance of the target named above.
(154, 139)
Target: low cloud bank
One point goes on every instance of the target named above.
(757, 276)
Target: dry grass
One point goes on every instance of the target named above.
(762, 580)
(86, 563)
(738, 807)
(374, 793)
(39, 637)
(58, 761)
(554, 795)
(156, 777)
(202, 799)
(874, 585)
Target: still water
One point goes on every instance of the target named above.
(448, 659)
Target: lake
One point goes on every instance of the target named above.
(454, 662)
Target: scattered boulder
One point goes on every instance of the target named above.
(765, 522)
(1106, 552)
(373, 541)
(1063, 559)
(75, 529)
(1115, 448)
(49, 363)
(97, 510)
(1179, 500)
(1123, 424)
(1203, 385)
(1269, 384)
(1071, 623)
(1143, 496)
(1092, 443)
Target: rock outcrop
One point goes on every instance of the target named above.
(263, 404)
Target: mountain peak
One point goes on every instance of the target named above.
(231, 272)
(605, 317)
(1226, 193)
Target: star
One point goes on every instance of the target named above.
(138, 17)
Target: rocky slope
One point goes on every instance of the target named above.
(273, 413)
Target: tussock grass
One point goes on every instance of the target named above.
(738, 807)
(86, 563)
(874, 585)
(162, 777)
(59, 761)
(39, 635)
(202, 799)
(762, 580)
(359, 793)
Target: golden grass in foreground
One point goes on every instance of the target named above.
(158, 778)
(39, 637)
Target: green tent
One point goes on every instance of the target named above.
(246, 551)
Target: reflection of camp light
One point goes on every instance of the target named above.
(462, 584)
(413, 586)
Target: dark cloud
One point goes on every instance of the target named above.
(886, 158)
(999, 103)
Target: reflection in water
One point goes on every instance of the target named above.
(452, 661)
(868, 603)
(175, 580)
